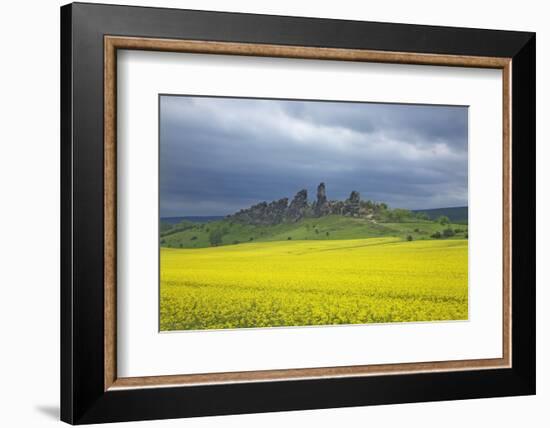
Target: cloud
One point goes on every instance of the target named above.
(222, 154)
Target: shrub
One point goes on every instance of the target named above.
(328, 234)
(466, 235)
(417, 230)
(193, 238)
(447, 233)
(458, 230)
(236, 242)
(443, 219)
(316, 230)
(251, 238)
(409, 238)
(289, 238)
(436, 235)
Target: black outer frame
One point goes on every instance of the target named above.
(83, 399)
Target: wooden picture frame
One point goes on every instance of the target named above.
(91, 390)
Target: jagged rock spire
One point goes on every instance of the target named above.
(321, 206)
(352, 204)
(321, 194)
(298, 207)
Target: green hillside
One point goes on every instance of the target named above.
(455, 214)
(224, 232)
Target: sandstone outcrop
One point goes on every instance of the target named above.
(281, 211)
(299, 207)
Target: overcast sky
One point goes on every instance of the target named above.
(218, 155)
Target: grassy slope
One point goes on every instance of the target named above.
(337, 227)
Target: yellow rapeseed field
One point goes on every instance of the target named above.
(300, 283)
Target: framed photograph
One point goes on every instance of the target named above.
(265, 213)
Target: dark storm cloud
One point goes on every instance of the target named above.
(219, 155)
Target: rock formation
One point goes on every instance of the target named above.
(321, 206)
(352, 204)
(298, 208)
(281, 211)
(263, 213)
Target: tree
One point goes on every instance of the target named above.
(443, 219)
(436, 235)
(216, 236)
(422, 216)
(400, 214)
(409, 238)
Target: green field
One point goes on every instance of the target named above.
(298, 275)
(195, 235)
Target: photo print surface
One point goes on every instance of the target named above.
(285, 213)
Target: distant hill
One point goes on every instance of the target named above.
(455, 214)
(193, 219)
